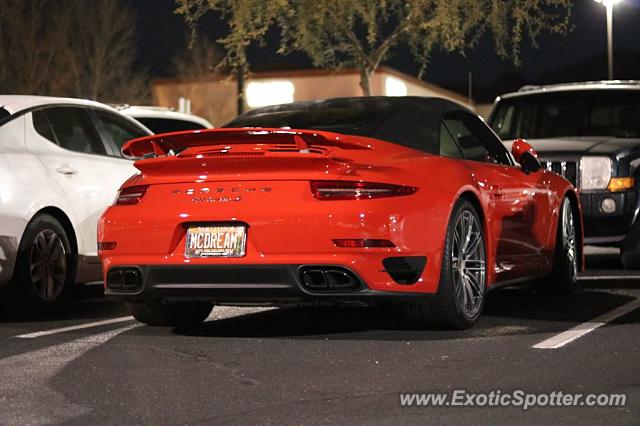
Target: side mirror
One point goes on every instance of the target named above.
(526, 156)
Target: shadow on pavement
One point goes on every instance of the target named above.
(83, 303)
(602, 258)
(604, 270)
(507, 312)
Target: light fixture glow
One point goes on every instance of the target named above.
(608, 3)
(267, 93)
(395, 87)
(609, 6)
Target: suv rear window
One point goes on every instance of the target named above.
(597, 112)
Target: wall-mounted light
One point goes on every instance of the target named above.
(264, 93)
(395, 87)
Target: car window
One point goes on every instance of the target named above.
(69, 127)
(448, 146)
(42, 125)
(166, 125)
(117, 129)
(4, 114)
(474, 139)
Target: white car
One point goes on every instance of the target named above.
(60, 167)
(164, 120)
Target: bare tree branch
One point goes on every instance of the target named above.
(70, 48)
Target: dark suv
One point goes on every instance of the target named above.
(590, 134)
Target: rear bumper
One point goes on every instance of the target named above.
(244, 284)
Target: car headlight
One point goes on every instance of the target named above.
(595, 173)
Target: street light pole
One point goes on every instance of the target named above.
(609, 5)
(610, 37)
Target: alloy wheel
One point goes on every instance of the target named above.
(48, 265)
(468, 263)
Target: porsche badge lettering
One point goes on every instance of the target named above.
(203, 195)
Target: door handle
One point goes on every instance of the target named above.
(66, 169)
(496, 191)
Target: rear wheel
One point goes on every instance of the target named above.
(462, 286)
(155, 313)
(564, 278)
(46, 264)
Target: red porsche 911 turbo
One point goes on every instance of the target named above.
(353, 200)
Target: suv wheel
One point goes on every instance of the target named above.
(564, 278)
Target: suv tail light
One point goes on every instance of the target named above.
(349, 190)
(130, 195)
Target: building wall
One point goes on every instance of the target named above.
(414, 88)
(484, 110)
(327, 86)
(215, 99)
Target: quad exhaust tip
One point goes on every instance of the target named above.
(124, 279)
(328, 279)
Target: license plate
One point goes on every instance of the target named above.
(216, 241)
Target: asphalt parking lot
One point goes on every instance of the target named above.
(94, 364)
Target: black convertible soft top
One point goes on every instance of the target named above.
(409, 121)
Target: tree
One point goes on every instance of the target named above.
(198, 60)
(102, 51)
(29, 47)
(248, 21)
(363, 33)
(70, 48)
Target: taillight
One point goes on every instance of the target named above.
(349, 190)
(106, 245)
(131, 195)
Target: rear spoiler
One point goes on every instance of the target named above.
(168, 143)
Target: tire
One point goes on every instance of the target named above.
(46, 264)
(154, 313)
(630, 250)
(564, 278)
(461, 291)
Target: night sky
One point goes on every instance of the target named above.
(581, 55)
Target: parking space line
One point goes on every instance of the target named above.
(580, 330)
(608, 277)
(74, 327)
